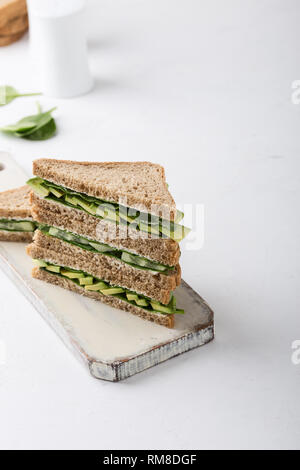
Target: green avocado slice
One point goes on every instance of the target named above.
(113, 291)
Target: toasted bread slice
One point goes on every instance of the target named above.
(162, 250)
(160, 319)
(158, 287)
(140, 185)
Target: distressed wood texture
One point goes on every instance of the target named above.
(112, 344)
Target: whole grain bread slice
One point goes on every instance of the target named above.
(156, 286)
(140, 185)
(162, 250)
(15, 203)
(6, 236)
(160, 319)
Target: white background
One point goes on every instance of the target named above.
(204, 88)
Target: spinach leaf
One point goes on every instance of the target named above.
(40, 126)
(9, 93)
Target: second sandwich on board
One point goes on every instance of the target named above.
(101, 234)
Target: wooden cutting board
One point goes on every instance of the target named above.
(112, 344)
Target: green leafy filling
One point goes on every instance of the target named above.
(92, 283)
(11, 225)
(136, 261)
(110, 211)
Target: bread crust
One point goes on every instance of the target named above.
(155, 286)
(140, 185)
(160, 319)
(161, 250)
(25, 237)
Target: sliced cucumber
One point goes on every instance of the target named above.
(133, 259)
(70, 200)
(56, 192)
(101, 247)
(36, 185)
(54, 231)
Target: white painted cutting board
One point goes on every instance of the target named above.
(113, 344)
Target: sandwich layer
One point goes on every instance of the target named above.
(161, 319)
(155, 286)
(113, 212)
(25, 237)
(14, 204)
(142, 184)
(161, 250)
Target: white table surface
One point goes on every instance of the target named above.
(203, 88)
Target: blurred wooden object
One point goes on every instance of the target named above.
(13, 20)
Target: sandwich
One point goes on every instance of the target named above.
(109, 231)
(16, 223)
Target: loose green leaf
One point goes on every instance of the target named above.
(40, 126)
(9, 93)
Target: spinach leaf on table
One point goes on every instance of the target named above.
(40, 126)
(9, 93)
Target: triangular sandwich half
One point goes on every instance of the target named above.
(16, 223)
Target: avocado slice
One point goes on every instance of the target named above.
(96, 287)
(40, 263)
(161, 308)
(112, 291)
(71, 274)
(142, 302)
(56, 192)
(132, 297)
(53, 269)
(88, 280)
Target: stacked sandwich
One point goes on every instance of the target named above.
(109, 231)
(16, 223)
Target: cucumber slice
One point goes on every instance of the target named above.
(112, 291)
(53, 269)
(89, 207)
(17, 225)
(40, 263)
(101, 247)
(161, 308)
(70, 200)
(71, 275)
(36, 185)
(96, 287)
(139, 261)
(179, 216)
(153, 229)
(88, 280)
(56, 192)
(53, 231)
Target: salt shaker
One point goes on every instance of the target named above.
(58, 47)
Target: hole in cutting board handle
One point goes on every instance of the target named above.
(2, 167)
